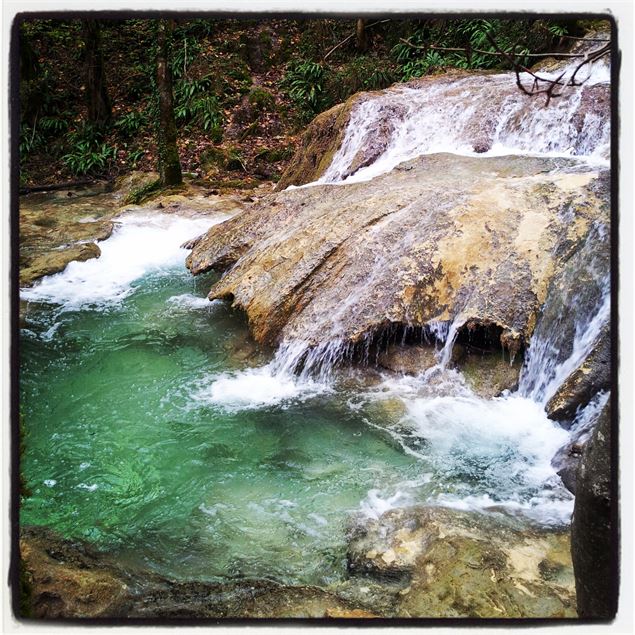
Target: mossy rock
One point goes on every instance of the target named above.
(274, 155)
(261, 99)
(319, 143)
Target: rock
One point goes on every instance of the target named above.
(590, 377)
(319, 143)
(481, 146)
(594, 545)
(473, 239)
(489, 374)
(68, 581)
(408, 360)
(445, 563)
(568, 459)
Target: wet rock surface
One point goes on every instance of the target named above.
(68, 579)
(590, 377)
(56, 229)
(414, 562)
(319, 143)
(439, 237)
(444, 563)
(594, 548)
(489, 374)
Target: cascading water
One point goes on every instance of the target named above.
(158, 432)
(478, 114)
(573, 317)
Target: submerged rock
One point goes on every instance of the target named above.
(593, 536)
(444, 563)
(64, 579)
(440, 238)
(67, 579)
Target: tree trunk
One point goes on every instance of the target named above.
(97, 101)
(362, 40)
(31, 96)
(169, 164)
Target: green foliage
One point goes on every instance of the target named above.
(30, 139)
(88, 154)
(194, 104)
(361, 73)
(518, 37)
(134, 156)
(130, 123)
(304, 83)
(421, 66)
(557, 30)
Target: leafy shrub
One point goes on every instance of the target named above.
(130, 123)
(30, 139)
(194, 105)
(362, 73)
(134, 156)
(518, 37)
(89, 158)
(304, 83)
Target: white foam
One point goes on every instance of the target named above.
(190, 301)
(140, 244)
(255, 388)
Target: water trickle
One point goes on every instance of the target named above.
(572, 319)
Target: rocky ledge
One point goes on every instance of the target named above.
(439, 238)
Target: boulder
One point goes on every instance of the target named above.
(440, 238)
(445, 563)
(319, 143)
(594, 546)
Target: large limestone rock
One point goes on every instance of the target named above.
(438, 238)
(593, 537)
(444, 563)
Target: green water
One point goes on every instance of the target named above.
(121, 454)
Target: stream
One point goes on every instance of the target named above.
(158, 431)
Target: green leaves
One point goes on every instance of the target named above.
(195, 105)
(88, 157)
(304, 83)
(130, 123)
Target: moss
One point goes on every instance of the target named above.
(318, 145)
(140, 194)
(213, 157)
(274, 155)
(261, 99)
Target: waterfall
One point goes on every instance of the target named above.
(476, 114)
(576, 312)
